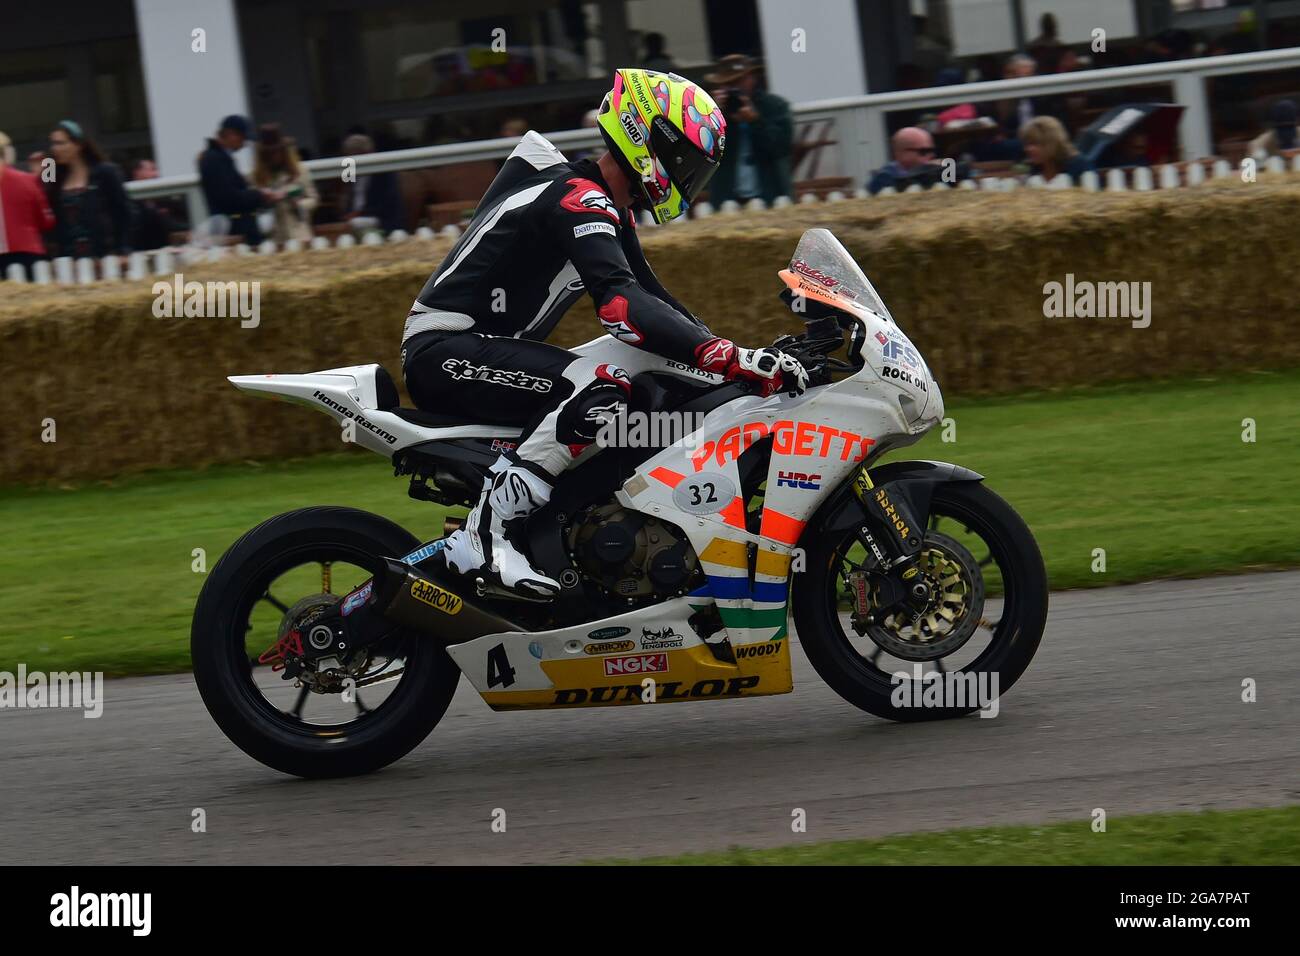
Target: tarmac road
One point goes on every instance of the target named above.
(1133, 704)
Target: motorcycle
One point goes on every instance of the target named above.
(681, 561)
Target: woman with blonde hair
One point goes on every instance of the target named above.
(1049, 151)
(278, 169)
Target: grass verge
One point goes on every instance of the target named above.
(1208, 838)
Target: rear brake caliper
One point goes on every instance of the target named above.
(286, 650)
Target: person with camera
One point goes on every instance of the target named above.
(760, 127)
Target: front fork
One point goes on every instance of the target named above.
(893, 582)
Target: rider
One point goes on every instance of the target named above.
(545, 231)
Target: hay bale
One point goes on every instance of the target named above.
(963, 273)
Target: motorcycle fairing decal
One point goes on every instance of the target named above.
(692, 673)
(780, 527)
(565, 667)
(751, 611)
(734, 511)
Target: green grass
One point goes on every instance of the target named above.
(99, 577)
(1210, 838)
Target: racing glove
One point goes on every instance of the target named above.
(770, 369)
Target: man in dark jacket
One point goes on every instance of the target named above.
(760, 129)
(375, 198)
(224, 187)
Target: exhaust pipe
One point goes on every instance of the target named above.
(417, 600)
(451, 525)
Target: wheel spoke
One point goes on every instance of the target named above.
(302, 700)
(271, 599)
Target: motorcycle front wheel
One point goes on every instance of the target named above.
(974, 640)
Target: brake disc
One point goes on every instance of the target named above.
(952, 612)
(321, 674)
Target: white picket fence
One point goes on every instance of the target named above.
(164, 262)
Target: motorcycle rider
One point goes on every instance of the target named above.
(545, 231)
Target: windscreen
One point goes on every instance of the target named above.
(820, 259)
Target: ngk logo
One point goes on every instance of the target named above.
(636, 664)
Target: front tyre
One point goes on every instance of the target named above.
(987, 622)
(353, 717)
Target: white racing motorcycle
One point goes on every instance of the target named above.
(328, 641)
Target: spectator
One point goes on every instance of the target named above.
(224, 187)
(590, 120)
(1013, 114)
(513, 128)
(655, 56)
(91, 209)
(1046, 47)
(961, 113)
(373, 201)
(24, 214)
(760, 135)
(1281, 133)
(36, 163)
(913, 150)
(155, 219)
(278, 169)
(1049, 150)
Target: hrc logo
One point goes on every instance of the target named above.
(797, 479)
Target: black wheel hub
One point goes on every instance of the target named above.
(944, 604)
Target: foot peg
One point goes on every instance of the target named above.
(484, 589)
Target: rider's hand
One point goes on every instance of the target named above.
(770, 369)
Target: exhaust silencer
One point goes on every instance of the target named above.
(416, 600)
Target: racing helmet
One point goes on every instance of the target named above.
(667, 134)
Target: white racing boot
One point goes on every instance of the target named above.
(510, 494)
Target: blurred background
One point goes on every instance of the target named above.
(148, 81)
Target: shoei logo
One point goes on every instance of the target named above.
(636, 664)
(435, 596)
(633, 133)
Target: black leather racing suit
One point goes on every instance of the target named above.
(545, 232)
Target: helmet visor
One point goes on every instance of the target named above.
(686, 164)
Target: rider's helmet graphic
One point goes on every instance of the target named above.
(668, 136)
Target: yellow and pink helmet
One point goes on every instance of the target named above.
(667, 134)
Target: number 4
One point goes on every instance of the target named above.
(500, 673)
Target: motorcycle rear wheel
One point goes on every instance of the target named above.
(233, 687)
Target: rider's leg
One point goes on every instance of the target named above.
(563, 399)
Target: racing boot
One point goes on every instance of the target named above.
(511, 493)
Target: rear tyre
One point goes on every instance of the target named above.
(233, 686)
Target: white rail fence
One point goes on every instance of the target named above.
(860, 135)
(164, 262)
